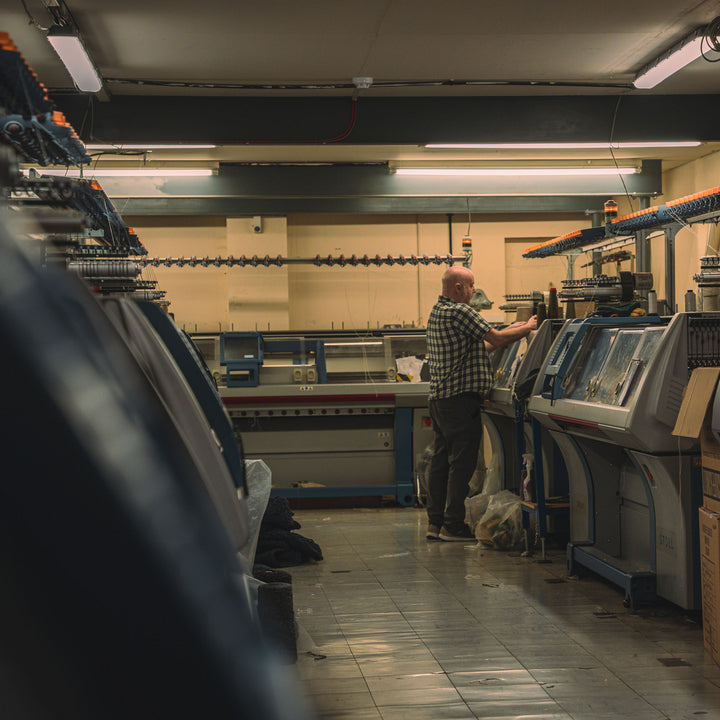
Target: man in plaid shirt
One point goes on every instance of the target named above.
(458, 342)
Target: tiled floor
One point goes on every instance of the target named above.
(393, 627)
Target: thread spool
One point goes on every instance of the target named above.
(541, 313)
(690, 302)
(553, 311)
(523, 314)
(652, 302)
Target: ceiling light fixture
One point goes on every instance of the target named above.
(126, 172)
(515, 171)
(119, 147)
(70, 49)
(563, 145)
(680, 55)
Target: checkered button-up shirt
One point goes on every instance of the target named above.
(457, 357)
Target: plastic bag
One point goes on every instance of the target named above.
(493, 478)
(422, 466)
(527, 477)
(501, 525)
(475, 508)
(258, 477)
(477, 481)
(490, 481)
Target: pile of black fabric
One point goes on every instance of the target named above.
(278, 545)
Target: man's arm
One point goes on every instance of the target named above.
(498, 338)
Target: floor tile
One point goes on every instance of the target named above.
(342, 702)
(392, 627)
(510, 709)
(506, 679)
(450, 711)
(423, 697)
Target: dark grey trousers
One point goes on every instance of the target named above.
(458, 434)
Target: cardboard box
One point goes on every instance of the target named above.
(709, 528)
(694, 421)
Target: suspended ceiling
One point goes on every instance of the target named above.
(277, 82)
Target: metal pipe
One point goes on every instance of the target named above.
(597, 220)
(643, 251)
(670, 232)
(328, 260)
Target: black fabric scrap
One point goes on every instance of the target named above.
(283, 548)
(278, 515)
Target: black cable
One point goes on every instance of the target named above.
(711, 38)
(612, 154)
(31, 19)
(346, 85)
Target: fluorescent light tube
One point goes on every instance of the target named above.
(126, 172)
(563, 145)
(127, 146)
(510, 171)
(675, 59)
(75, 58)
(352, 344)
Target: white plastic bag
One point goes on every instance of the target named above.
(475, 508)
(258, 478)
(527, 477)
(486, 482)
(501, 525)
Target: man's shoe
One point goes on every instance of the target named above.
(463, 534)
(433, 531)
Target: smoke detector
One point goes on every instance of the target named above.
(362, 83)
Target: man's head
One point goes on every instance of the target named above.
(458, 283)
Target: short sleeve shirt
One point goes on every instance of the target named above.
(457, 357)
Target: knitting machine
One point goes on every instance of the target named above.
(501, 419)
(83, 230)
(332, 414)
(512, 433)
(606, 288)
(29, 120)
(609, 393)
(708, 282)
(516, 301)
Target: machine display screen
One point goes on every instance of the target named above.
(588, 362)
(610, 364)
(501, 361)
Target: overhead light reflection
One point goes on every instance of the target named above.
(515, 171)
(146, 146)
(564, 145)
(125, 172)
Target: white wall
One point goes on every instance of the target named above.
(692, 242)
(307, 297)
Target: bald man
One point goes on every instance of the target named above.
(458, 343)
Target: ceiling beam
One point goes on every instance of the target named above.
(237, 207)
(242, 189)
(414, 120)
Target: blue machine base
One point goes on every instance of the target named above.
(640, 587)
(405, 496)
